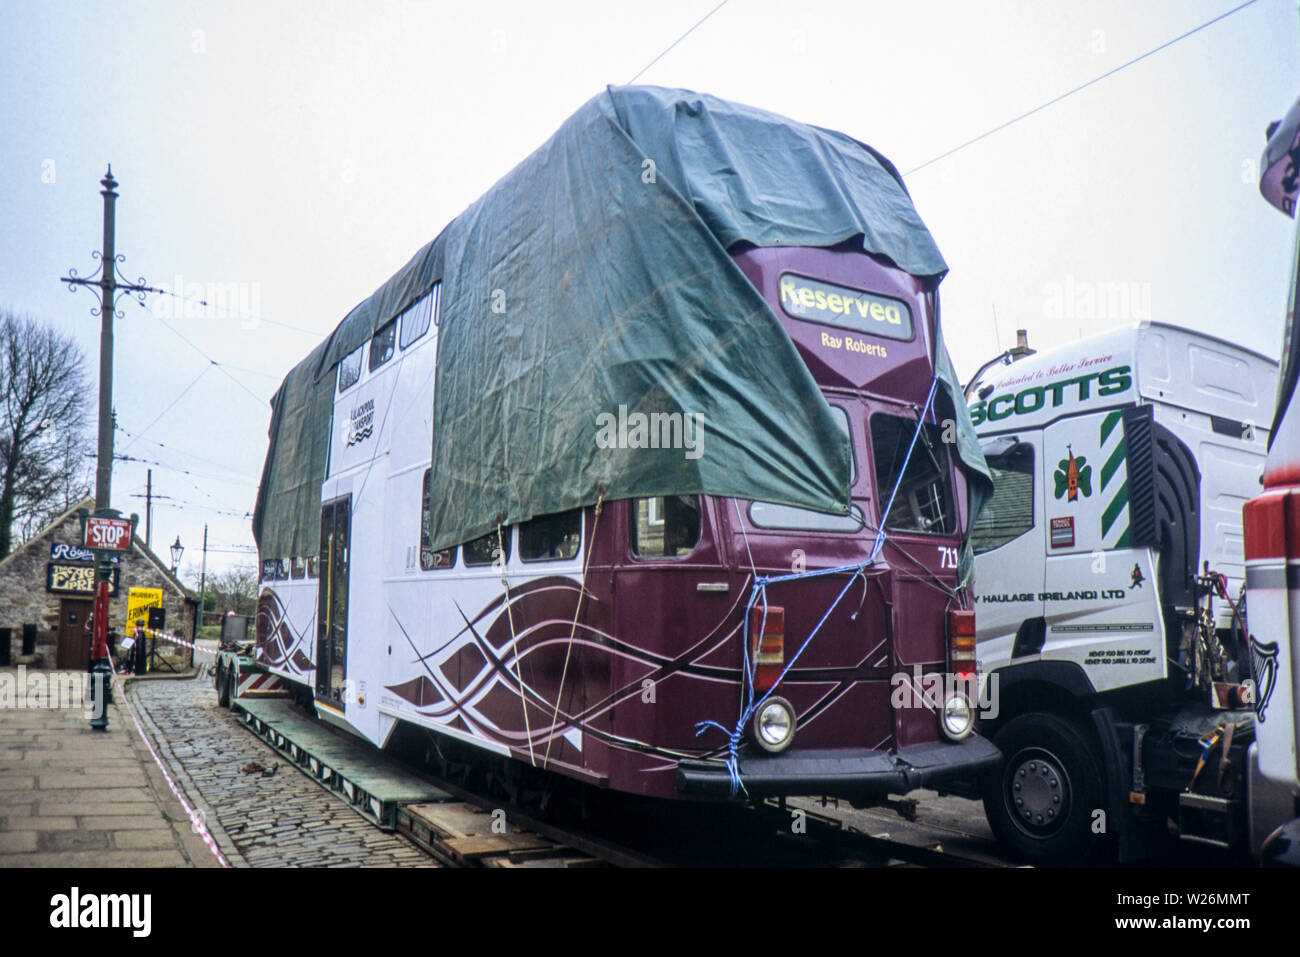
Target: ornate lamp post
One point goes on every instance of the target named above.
(177, 551)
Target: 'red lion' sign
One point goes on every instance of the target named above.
(108, 534)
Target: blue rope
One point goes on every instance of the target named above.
(759, 592)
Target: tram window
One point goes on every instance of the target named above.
(664, 527)
(350, 371)
(550, 537)
(923, 502)
(771, 515)
(313, 567)
(1010, 511)
(483, 550)
(429, 559)
(383, 344)
(298, 569)
(415, 321)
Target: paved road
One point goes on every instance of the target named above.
(283, 819)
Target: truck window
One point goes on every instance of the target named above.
(1010, 512)
(664, 527)
(924, 499)
(550, 537)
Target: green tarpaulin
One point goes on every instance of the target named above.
(593, 284)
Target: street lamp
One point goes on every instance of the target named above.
(177, 551)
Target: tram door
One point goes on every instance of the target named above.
(332, 616)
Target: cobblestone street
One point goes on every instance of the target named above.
(261, 810)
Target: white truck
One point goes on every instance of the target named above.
(1108, 574)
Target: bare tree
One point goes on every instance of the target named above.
(236, 588)
(43, 401)
(233, 589)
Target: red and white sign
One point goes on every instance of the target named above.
(1063, 532)
(108, 534)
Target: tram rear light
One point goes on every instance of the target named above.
(767, 644)
(961, 641)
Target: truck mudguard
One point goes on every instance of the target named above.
(1164, 499)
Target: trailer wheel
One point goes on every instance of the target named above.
(223, 687)
(1042, 801)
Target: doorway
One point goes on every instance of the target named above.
(74, 640)
(332, 633)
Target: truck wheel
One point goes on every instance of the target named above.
(1040, 803)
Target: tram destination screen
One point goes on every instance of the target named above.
(845, 308)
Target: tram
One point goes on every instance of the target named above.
(651, 470)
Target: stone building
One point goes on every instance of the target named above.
(48, 583)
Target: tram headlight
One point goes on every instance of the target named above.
(774, 725)
(956, 717)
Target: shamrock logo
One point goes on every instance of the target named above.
(1073, 475)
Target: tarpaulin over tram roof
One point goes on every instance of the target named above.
(593, 282)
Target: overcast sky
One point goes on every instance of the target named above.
(299, 153)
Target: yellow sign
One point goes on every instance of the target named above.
(138, 603)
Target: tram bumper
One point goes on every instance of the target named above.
(840, 772)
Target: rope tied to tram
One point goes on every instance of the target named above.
(759, 593)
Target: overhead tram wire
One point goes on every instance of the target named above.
(237, 477)
(1083, 86)
(677, 41)
(185, 505)
(121, 457)
(193, 383)
(220, 368)
(240, 314)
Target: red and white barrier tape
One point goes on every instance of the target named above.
(196, 819)
(179, 640)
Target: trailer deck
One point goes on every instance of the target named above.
(361, 776)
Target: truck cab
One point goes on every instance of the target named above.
(1108, 570)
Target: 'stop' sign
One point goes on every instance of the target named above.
(108, 534)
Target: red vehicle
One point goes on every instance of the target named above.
(666, 621)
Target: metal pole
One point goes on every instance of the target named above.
(148, 509)
(108, 286)
(203, 577)
(100, 670)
